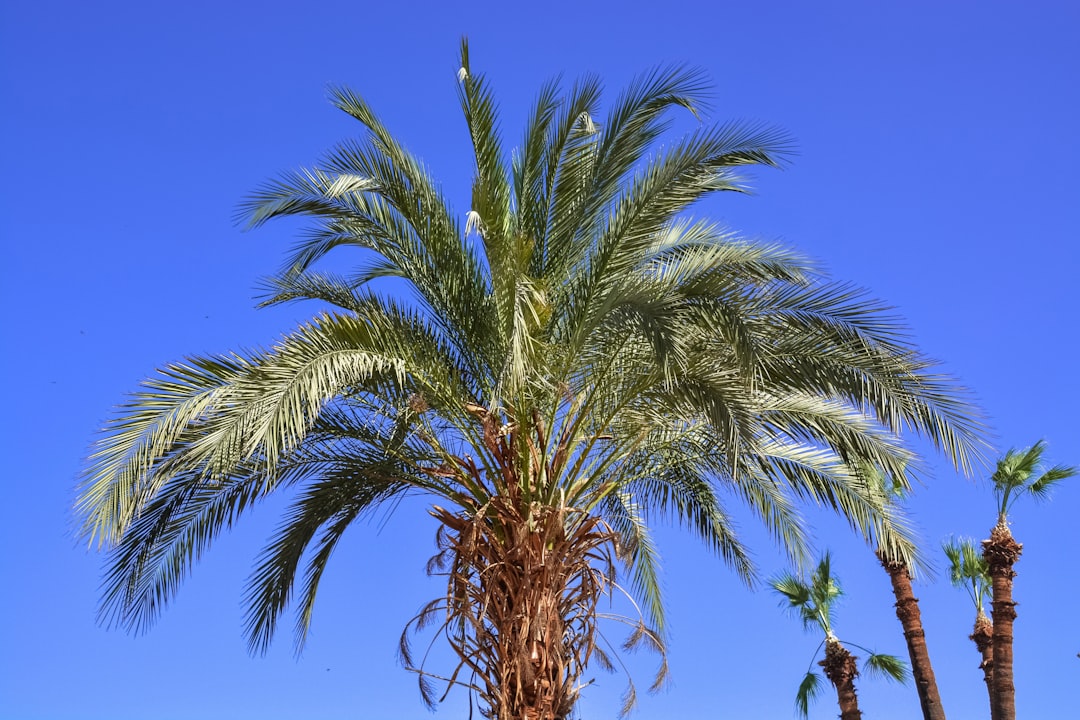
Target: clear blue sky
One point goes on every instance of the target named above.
(938, 167)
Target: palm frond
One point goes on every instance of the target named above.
(155, 424)
(794, 590)
(969, 570)
(1040, 488)
(332, 504)
(889, 667)
(639, 551)
(810, 689)
(1020, 472)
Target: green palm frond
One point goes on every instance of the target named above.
(329, 505)
(969, 570)
(836, 334)
(1040, 488)
(889, 667)
(325, 287)
(796, 593)
(817, 475)
(810, 689)
(811, 600)
(1020, 472)
(678, 491)
(638, 550)
(154, 426)
(824, 591)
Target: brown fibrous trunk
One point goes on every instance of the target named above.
(525, 572)
(983, 637)
(523, 582)
(521, 601)
(841, 669)
(907, 610)
(1001, 552)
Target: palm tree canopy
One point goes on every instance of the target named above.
(1021, 472)
(812, 600)
(576, 339)
(968, 570)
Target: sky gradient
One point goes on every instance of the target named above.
(936, 167)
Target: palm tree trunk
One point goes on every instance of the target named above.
(907, 610)
(1001, 552)
(841, 669)
(983, 637)
(522, 595)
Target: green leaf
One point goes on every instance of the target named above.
(888, 666)
(809, 689)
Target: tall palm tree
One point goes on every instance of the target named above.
(577, 357)
(907, 608)
(813, 602)
(968, 570)
(1017, 474)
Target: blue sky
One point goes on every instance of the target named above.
(937, 163)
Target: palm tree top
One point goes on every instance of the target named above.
(1021, 472)
(811, 600)
(968, 570)
(575, 341)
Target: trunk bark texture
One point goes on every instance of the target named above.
(522, 598)
(983, 637)
(1001, 552)
(524, 576)
(907, 610)
(524, 579)
(841, 669)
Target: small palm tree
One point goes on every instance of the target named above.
(572, 356)
(813, 602)
(1019, 473)
(968, 570)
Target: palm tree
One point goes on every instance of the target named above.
(813, 602)
(578, 357)
(968, 570)
(907, 608)
(1017, 474)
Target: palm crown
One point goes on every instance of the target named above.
(812, 600)
(968, 570)
(1020, 472)
(578, 354)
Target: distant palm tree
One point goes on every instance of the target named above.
(813, 602)
(577, 357)
(968, 570)
(1019, 473)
